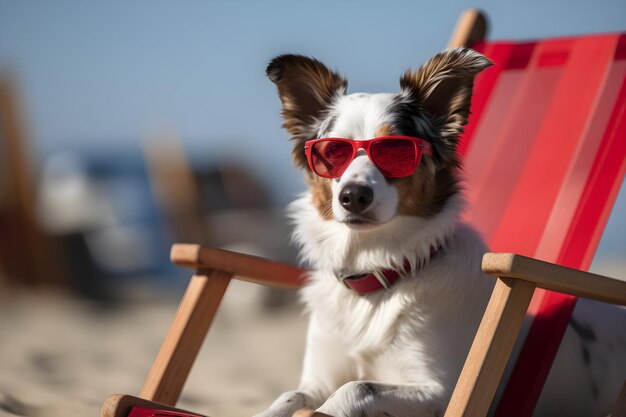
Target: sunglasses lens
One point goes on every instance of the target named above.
(330, 157)
(395, 157)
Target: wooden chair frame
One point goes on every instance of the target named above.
(517, 278)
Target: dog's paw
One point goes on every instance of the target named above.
(371, 399)
(353, 399)
(307, 412)
(285, 405)
(276, 412)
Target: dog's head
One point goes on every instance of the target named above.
(433, 105)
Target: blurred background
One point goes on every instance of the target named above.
(126, 126)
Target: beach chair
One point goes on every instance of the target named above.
(545, 156)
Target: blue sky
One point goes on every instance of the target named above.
(98, 74)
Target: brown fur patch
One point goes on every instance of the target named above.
(442, 90)
(385, 129)
(415, 193)
(306, 88)
(444, 83)
(424, 194)
(322, 195)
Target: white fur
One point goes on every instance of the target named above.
(399, 352)
(363, 172)
(410, 338)
(358, 116)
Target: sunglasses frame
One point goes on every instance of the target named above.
(421, 146)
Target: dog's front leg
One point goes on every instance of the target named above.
(371, 399)
(325, 368)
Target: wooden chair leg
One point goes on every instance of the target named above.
(185, 336)
(491, 349)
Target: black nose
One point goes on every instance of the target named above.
(356, 198)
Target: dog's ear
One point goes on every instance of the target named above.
(306, 89)
(442, 88)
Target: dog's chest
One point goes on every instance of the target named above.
(363, 325)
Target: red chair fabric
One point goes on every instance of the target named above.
(545, 156)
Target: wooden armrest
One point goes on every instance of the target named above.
(555, 277)
(245, 267)
(214, 270)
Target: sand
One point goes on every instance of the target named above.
(62, 356)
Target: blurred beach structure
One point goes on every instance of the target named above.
(126, 128)
(87, 291)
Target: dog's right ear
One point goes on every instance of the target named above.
(306, 88)
(442, 88)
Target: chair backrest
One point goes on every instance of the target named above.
(545, 156)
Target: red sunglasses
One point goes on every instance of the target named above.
(394, 156)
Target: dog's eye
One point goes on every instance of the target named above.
(337, 150)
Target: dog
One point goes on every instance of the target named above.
(397, 292)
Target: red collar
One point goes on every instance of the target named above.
(377, 280)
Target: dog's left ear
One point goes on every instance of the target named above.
(442, 88)
(307, 88)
